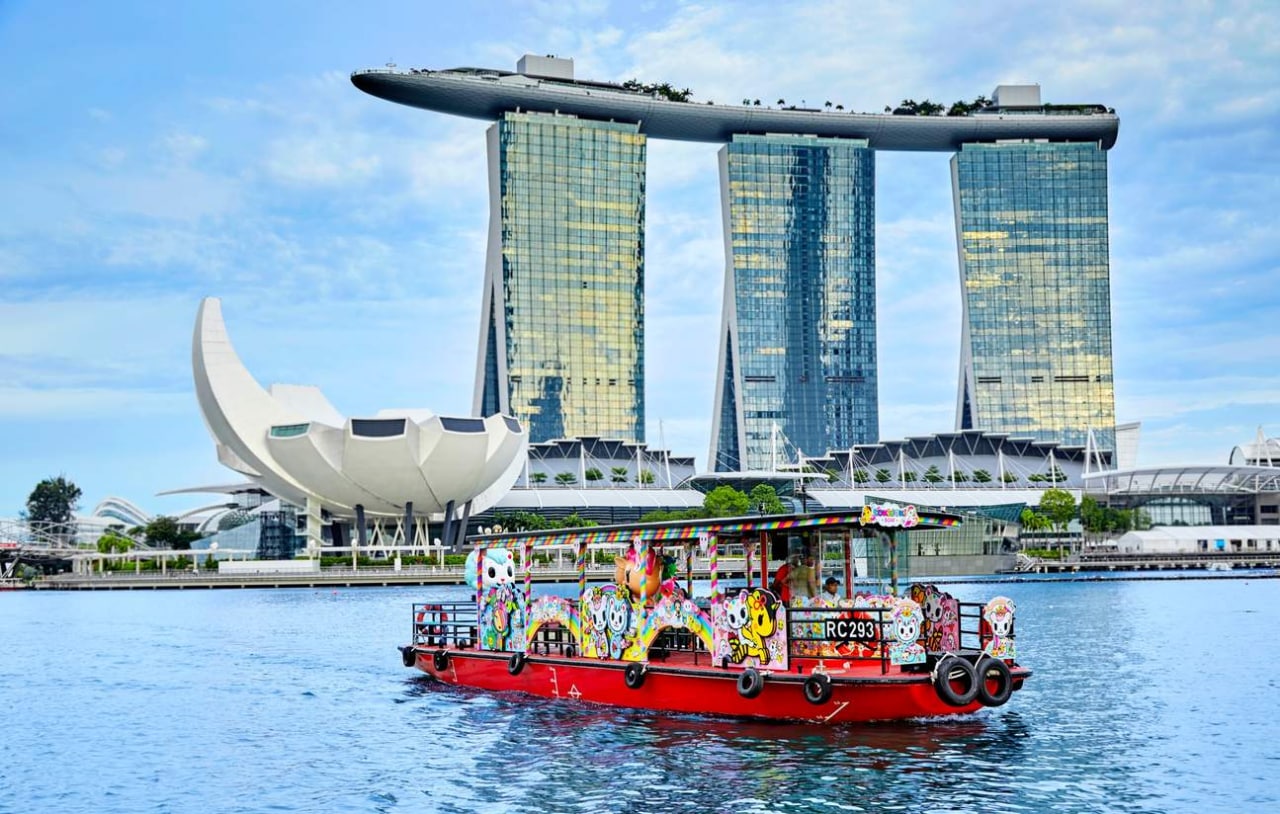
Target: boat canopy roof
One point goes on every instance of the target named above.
(877, 516)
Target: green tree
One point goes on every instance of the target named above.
(618, 474)
(932, 475)
(959, 476)
(661, 515)
(575, 521)
(1059, 506)
(982, 476)
(1009, 477)
(521, 521)
(862, 476)
(566, 478)
(592, 475)
(51, 508)
(646, 476)
(1092, 517)
(538, 477)
(908, 477)
(161, 532)
(113, 542)
(765, 500)
(725, 501)
(883, 476)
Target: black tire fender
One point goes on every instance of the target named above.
(408, 656)
(955, 681)
(817, 689)
(634, 675)
(516, 663)
(750, 683)
(990, 670)
(440, 660)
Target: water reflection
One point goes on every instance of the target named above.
(635, 760)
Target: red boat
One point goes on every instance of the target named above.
(859, 650)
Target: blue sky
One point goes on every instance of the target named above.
(151, 155)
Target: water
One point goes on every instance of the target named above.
(1148, 697)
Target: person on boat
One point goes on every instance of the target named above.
(804, 579)
(831, 588)
(781, 584)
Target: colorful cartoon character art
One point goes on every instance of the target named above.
(608, 622)
(502, 602)
(997, 618)
(904, 647)
(499, 568)
(647, 577)
(940, 632)
(752, 620)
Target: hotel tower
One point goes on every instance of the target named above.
(562, 339)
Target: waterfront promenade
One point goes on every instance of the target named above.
(331, 577)
(1169, 566)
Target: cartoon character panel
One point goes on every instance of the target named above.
(608, 622)
(940, 631)
(750, 629)
(997, 628)
(502, 611)
(904, 647)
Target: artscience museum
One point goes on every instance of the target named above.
(409, 467)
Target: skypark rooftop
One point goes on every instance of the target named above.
(482, 93)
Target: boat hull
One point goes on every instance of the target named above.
(856, 695)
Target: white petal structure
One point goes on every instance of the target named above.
(297, 446)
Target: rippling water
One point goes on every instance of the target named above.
(1148, 697)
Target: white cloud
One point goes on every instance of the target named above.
(324, 159)
(184, 147)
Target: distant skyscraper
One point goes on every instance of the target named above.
(1031, 220)
(798, 342)
(562, 338)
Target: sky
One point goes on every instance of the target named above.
(153, 154)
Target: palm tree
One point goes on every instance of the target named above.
(566, 478)
(982, 476)
(538, 477)
(932, 475)
(618, 474)
(592, 475)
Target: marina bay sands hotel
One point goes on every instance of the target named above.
(562, 339)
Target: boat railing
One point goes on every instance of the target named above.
(443, 624)
(848, 634)
(975, 633)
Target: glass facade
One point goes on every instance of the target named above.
(1035, 275)
(562, 347)
(798, 343)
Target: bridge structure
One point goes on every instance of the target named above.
(1108, 562)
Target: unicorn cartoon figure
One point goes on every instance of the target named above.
(905, 625)
(997, 619)
(648, 576)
